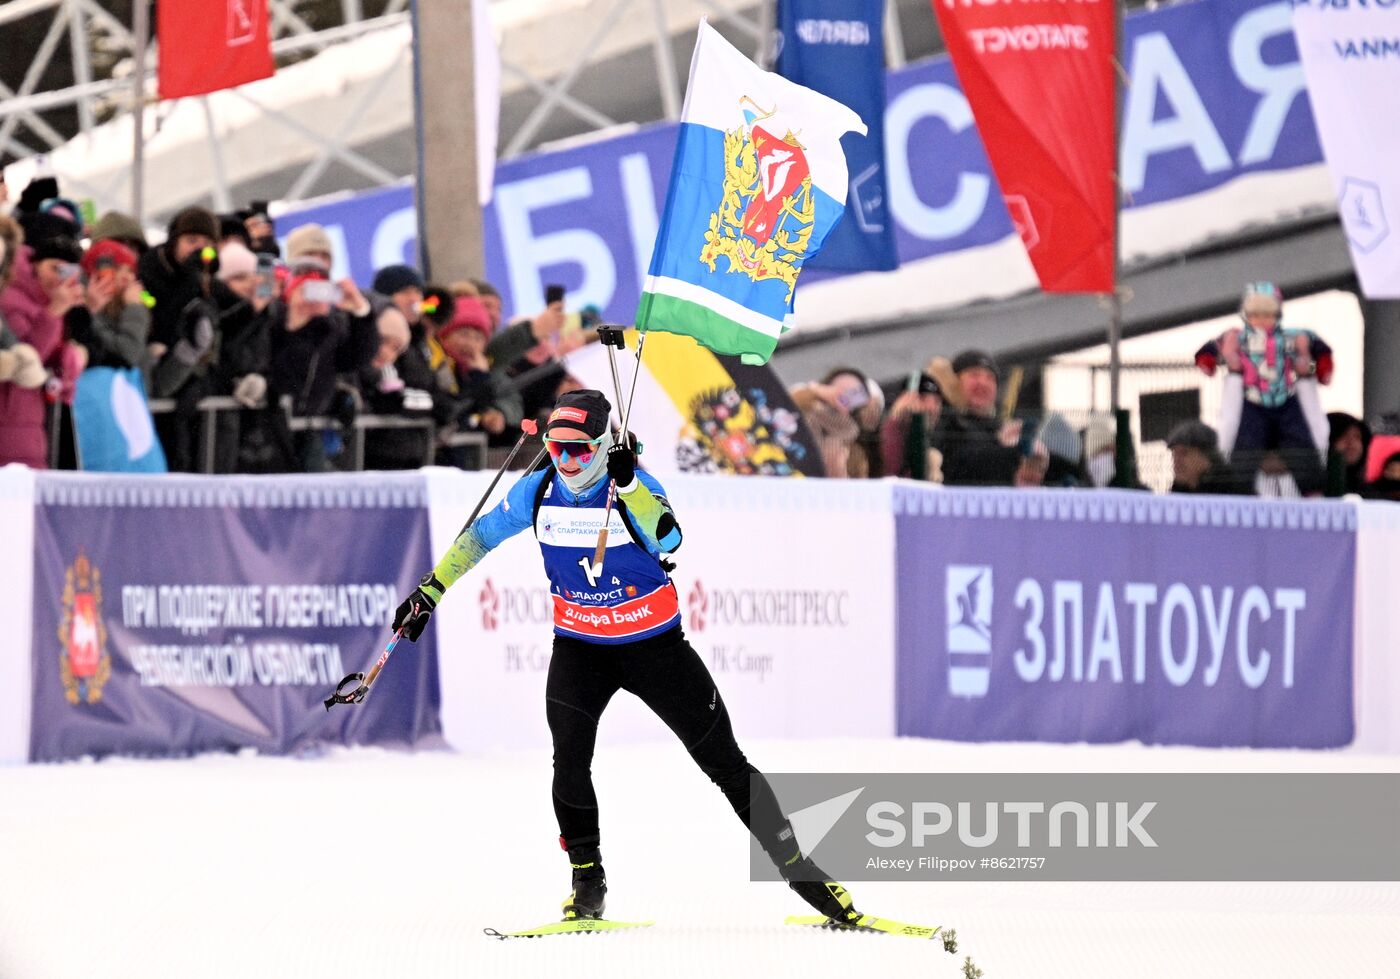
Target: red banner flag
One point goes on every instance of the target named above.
(1039, 78)
(207, 45)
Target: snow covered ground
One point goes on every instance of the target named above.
(370, 863)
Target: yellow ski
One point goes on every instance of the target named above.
(573, 926)
(868, 922)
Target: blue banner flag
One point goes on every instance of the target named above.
(112, 423)
(837, 47)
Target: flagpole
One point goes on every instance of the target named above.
(141, 30)
(1115, 323)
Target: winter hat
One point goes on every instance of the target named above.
(1099, 436)
(108, 254)
(40, 227)
(470, 314)
(236, 259)
(122, 227)
(61, 247)
(1339, 423)
(66, 209)
(975, 358)
(306, 239)
(1263, 298)
(393, 278)
(1194, 435)
(194, 221)
(35, 193)
(585, 410)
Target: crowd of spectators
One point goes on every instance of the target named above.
(219, 309)
(950, 424)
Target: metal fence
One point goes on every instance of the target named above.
(210, 409)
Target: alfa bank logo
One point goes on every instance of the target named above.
(968, 598)
(490, 601)
(698, 604)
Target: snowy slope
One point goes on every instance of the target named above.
(369, 863)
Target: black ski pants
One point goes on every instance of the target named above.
(667, 675)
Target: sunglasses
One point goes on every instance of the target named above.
(579, 450)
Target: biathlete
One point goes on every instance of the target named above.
(618, 630)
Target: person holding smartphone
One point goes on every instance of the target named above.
(113, 323)
(320, 329)
(843, 411)
(905, 436)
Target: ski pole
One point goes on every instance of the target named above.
(362, 681)
(528, 427)
(626, 415)
(611, 337)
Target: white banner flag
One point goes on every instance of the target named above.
(1351, 59)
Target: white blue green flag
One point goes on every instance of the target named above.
(759, 180)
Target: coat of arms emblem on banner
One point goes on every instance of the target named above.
(83, 662)
(766, 214)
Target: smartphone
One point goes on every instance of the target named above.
(320, 291)
(553, 294)
(853, 398)
(267, 276)
(1025, 445)
(922, 383)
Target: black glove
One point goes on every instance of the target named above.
(413, 613)
(622, 464)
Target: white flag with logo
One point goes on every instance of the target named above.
(1351, 60)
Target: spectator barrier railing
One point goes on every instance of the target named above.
(210, 407)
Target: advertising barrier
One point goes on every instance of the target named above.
(1117, 616)
(174, 615)
(793, 626)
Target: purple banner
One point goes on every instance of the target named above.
(175, 615)
(1051, 616)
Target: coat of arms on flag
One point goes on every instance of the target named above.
(764, 222)
(759, 180)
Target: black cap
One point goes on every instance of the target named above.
(62, 247)
(194, 221)
(1194, 435)
(975, 358)
(585, 410)
(396, 278)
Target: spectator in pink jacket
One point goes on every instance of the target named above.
(45, 285)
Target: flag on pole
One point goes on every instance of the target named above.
(758, 182)
(1351, 60)
(208, 45)
(1039, 78)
